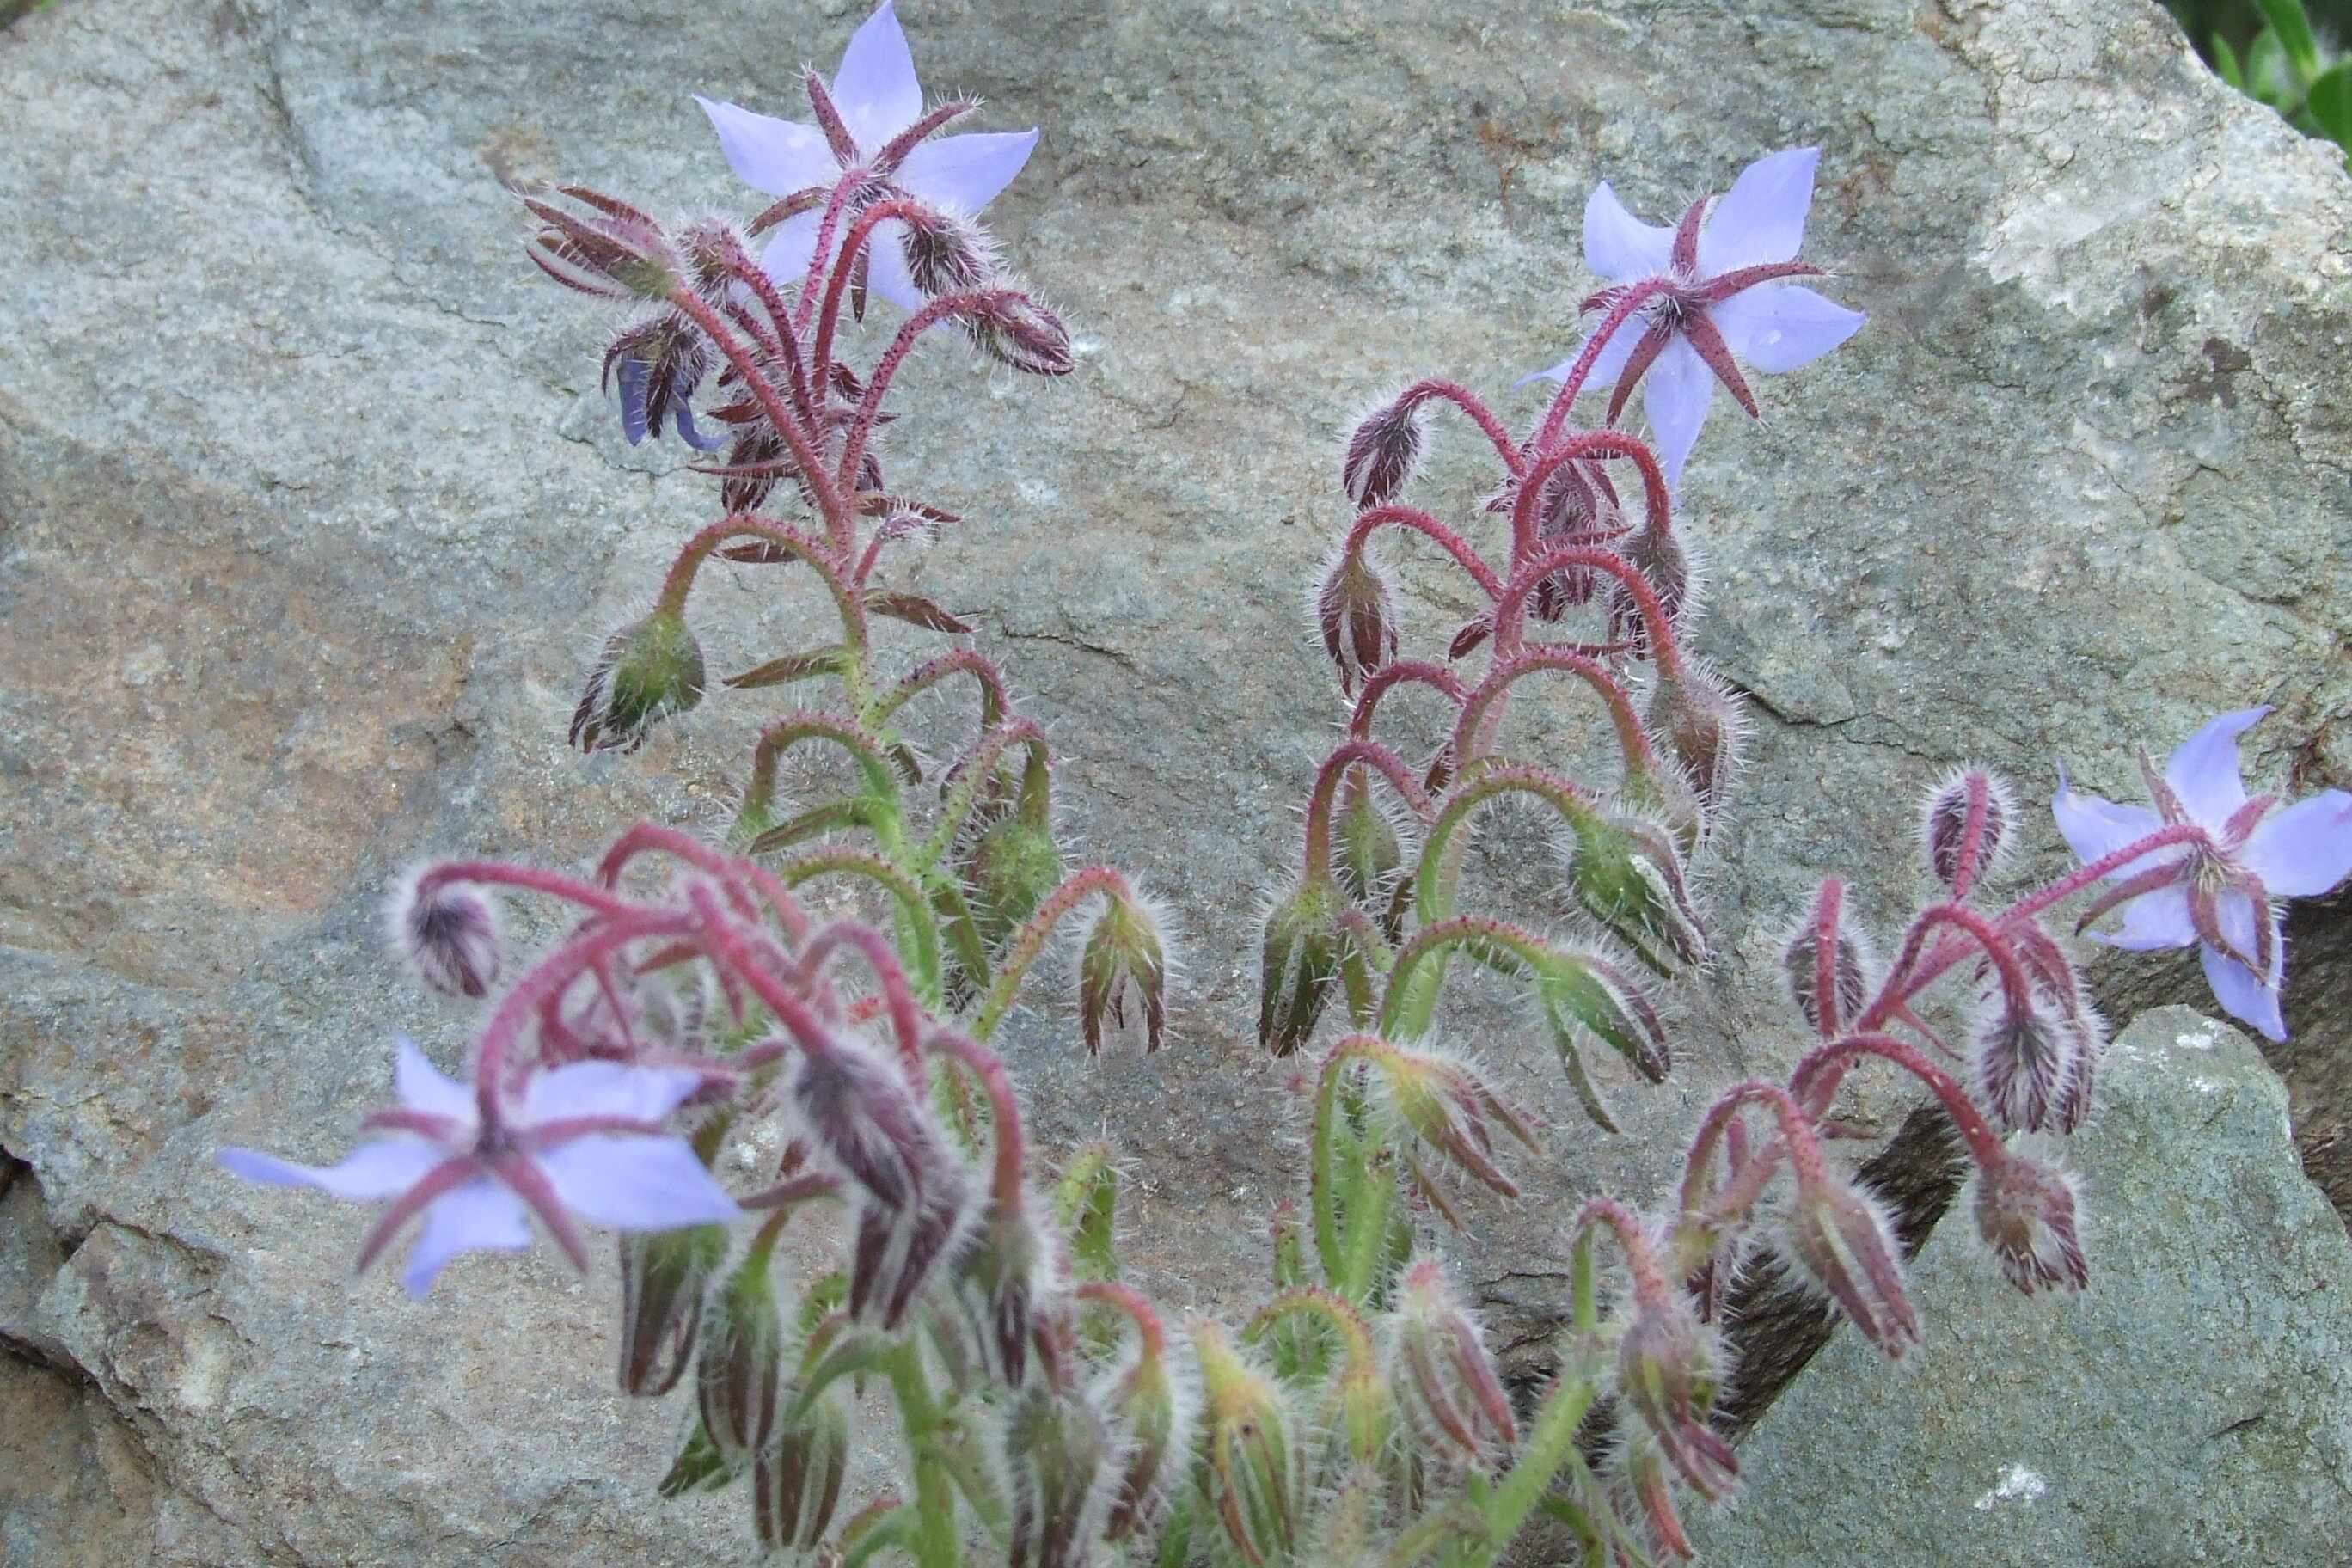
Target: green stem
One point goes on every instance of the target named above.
(978, 770)
(1433, 879)
(934, 1541)
(1030, 941)
(1549, 1445)
(914, 911)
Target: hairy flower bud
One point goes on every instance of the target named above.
(1124, 966)
(665, 1274)
(1444, 1380)
(1302, 953)
(1355, 608)
(1966, 823)
(2025, 1213)
(796, 1479)
(1628, 874)
(1668, 568)
(1850, 974)
(1008, 1270)
(449, 934)
(1018, 332)
(1581, 994)
(1057, 1450)
(1383, 454)
(1670, 1367)
(1009, 862)
(948, 254)
(1840, 1236)
(1254, 1471)
(1443, 1103)
(739, 1376)
(611, 251)
(2024, 1062)
(1704, 728)
(660, 360)
(1367, 853)
(1154, 1414)
(649, 670)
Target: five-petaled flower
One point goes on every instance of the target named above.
(2218, 878)
(586, 1139)
(1713, 292)
(866, 117)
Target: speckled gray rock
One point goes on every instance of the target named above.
(310, 516)
(2195, 1407)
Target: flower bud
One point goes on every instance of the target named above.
(664, 1276)
(1009, 862)
(1583, 995)
(1662, 562)
(796, 1479)
(1302, 949)
(1650, 1483)
(1441, 1101)
(449, 934)
(1445, 1382)
(1969, 794)
(1383, 454)
(1057, 1450)
(2025, 1213)
(1628, 874)
(1154, 1414)
(2023, 1062)
(660, 362)
(1850, 974)
(1123, 966)
(1367, 853)
(738, 1375)
(1578, 506)
(1840, 1236)
(1355, 608)
(1670, 1368)
(1254, 1472)
(649, 670)
(612, 251)
(1704, 728)
(1017, 332)
(948, 254)
(1008, 1270)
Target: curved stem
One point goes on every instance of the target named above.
(1433, 889)
(1643, 1269)
(1819, 1073)
(915, 914)
(1510, 605)
(1030, 941)
(1797, 1138)
(1620, 313)
(970, 302)
(1398, 672)
(1347, 754)
(1473, 727)
(546, 979)
(1434, 941)
(828, 224)
(845, 266)
(906, 1017)
(840, 525)
(1657, 498)
(1005, 1112)
(978, 770)
(1310, 1300)
(1469, 402)
(881, 779)
(730, 871)
(679, 582)
(993, 700)
(529, 878)
(1418, 522)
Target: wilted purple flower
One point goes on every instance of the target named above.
(659, 363)
(2221, 891)
(585, 1140)
(876, 97)
(1726, 300)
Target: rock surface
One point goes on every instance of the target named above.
(310, 515)
(2194, 1406)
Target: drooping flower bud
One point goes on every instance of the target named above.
(1057, 1450)
(2023, 1061)
(1667, 566)
(1254, 1471)
(739, 1377)
(1704, 728)
(1009, 1269)
(1443, 1103)
(1669, 1370)
(1302, 953)
(660, 360)
(664, 1276)
(796, 1479)
(612, 251)
(1651, 1482)
(1445, 1382)
(1581, 994)
(1123, 967)
(1839, 1235)
(1966, 823)
(948, 254)
(1628, 874)
(1022, 334)
(449, 934)
(1154, 1411)
(1850, 974)
(1382, 454)
(2025, 1213)
(1368, 853)
(1355, 608)
(1008, 860)
(649, 670)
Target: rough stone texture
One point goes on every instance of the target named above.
(2194, 1406)
(310, 515)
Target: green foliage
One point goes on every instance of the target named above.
(2279, 58)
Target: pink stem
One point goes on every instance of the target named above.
(1657, 497)
(1469, 402)
(840, 526)
(500, 873)
(1346, 754)
(1420, 523)
(906, 1018)
(1510, 605)
(1004, 1111)
(1630, 300)
(973, 302)
(669, 841)
(1817, 1077)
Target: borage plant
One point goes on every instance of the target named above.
(700, 1061)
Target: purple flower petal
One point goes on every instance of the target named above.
(693, 438)
(963, 174)
(2305, 850)
(374, 1170)
(791, 246)
(885, 269)
(605, 1089)
(2242, 995)
(2155, 920)
(1617, 246)
(632, 374)
(1676, 391)
(2095, 827)
(1761, 219)
(875, 88)
(1779, 327)
(636, 1183)
(778, 156)
(2203, 769)
(479, 1216)
(423, 1087)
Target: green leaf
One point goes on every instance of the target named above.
(1087, 1204)
(2293, 29)
(2225, 63)
(2269, 79)
(700, 1466)
(2331, 102)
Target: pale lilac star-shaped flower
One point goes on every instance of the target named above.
(2222, 889)
(877, 99)
(1725, 299)
(584, 1140)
